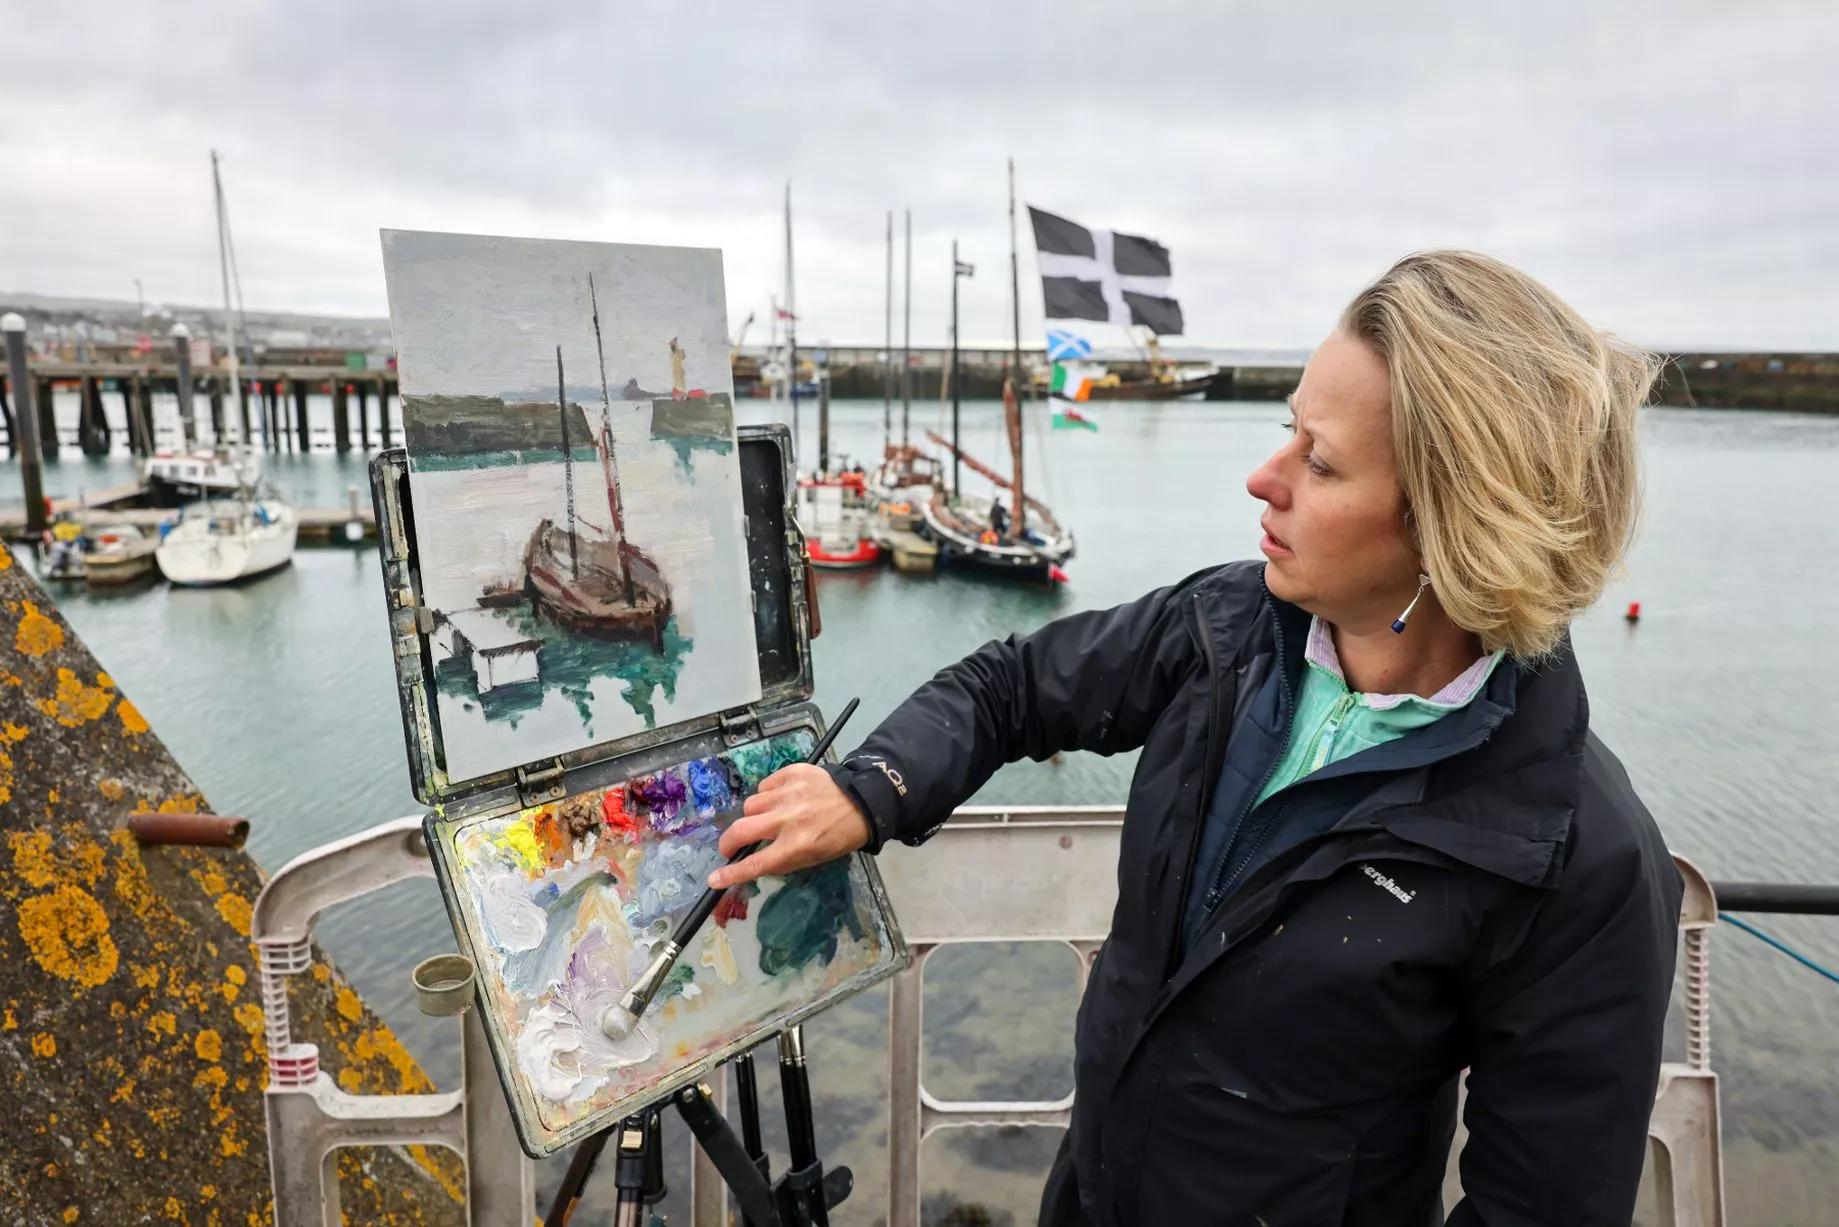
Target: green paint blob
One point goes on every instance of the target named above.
(799, 923)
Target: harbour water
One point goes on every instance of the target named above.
(277, 697)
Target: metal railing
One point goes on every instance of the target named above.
(991, 874)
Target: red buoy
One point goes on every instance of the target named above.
(1056, 575)
(1634, 613)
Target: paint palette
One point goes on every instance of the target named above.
(561, 876)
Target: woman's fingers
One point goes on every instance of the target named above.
(749, 830)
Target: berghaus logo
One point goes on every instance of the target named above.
(1388, 885)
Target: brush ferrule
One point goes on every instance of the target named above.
(647, 985)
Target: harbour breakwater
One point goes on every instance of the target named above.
(131, 1024)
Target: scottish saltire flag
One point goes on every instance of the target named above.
(1062, 344)
(1103, 275)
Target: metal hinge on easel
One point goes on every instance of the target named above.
(540, 784)
(740, 727)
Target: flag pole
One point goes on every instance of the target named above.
(791, 328)
(957, 490)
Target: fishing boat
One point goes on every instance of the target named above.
(596, 582)
(221, 541)
(838, 521)
(173, 479)
(1023, 540)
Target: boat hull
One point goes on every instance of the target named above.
(866, 554)
(1013, 560)
(586, 591)
(193, 555)
(1153, 389)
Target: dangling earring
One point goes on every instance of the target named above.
(1398, 623)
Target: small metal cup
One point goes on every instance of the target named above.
(444, 984)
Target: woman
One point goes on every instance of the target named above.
(1371, 841)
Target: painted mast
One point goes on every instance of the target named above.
(608, 469)
(791, 327)
(906, 340)
(568, 470)
(1013, 408)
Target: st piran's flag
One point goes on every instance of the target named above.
(1104, 276)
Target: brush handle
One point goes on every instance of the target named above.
(705, 904)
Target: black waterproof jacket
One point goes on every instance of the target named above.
(1507, 907)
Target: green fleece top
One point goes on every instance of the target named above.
(1332, 722)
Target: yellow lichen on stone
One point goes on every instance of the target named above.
(32, 857)
(163, 1023)
(9, 1023)
(6, 563)
(112, 789)
(70, 1212)
(131, 719)
(209, 1046)
(44, 1044)
(75, 703)
(10, 732)
(348, 1004)
(37, 634)
(236, 912)
(68, 934)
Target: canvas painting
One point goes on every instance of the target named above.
(563, 906)
(569, 418)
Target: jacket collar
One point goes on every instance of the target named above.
(1493, 785)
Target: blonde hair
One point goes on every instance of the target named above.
(1514, 425)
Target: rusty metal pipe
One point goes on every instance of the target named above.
(201, 830)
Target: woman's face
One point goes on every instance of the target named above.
(1334, 523)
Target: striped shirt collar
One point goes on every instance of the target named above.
(1320, 652)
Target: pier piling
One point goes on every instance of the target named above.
(48, 442)
(341, 418)
(363, 391)
(92, 425)
(188, 418)
(383, 414)
(216, 410)
(302, 437)
(26, 447)
(242, 409)
(126, 387)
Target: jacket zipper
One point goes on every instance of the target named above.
(1261, 836)
(1229, 871)
(1208, 771)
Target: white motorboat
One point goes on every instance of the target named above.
(220, 541)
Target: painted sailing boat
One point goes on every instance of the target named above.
(1023, 540)
(599, 584)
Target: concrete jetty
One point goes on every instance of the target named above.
(130, 1024)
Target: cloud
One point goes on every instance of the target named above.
(1673, 169)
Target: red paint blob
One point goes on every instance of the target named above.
(613, 806)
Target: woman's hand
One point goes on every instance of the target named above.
(807, 818)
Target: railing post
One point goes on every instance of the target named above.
(906, 1055)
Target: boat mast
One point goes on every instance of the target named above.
(568, 470)
(906, 340)
(229, 316)
(607, 467)
(956, 475)
(887, 381)
(791, 327)
(1013, 409)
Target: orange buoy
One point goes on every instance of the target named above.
(1634, 613)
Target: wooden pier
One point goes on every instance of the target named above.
(318, 525)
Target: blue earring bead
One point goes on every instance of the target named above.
(1398, 623)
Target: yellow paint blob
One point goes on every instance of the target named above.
(519, 839)
(131, 719)
(68, 934)
(75, 704)
(37, 634)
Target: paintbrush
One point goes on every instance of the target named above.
(619, 1020)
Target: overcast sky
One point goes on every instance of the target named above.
(1672, 169)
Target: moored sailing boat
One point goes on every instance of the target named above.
(1023, 540)
(602, 584)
